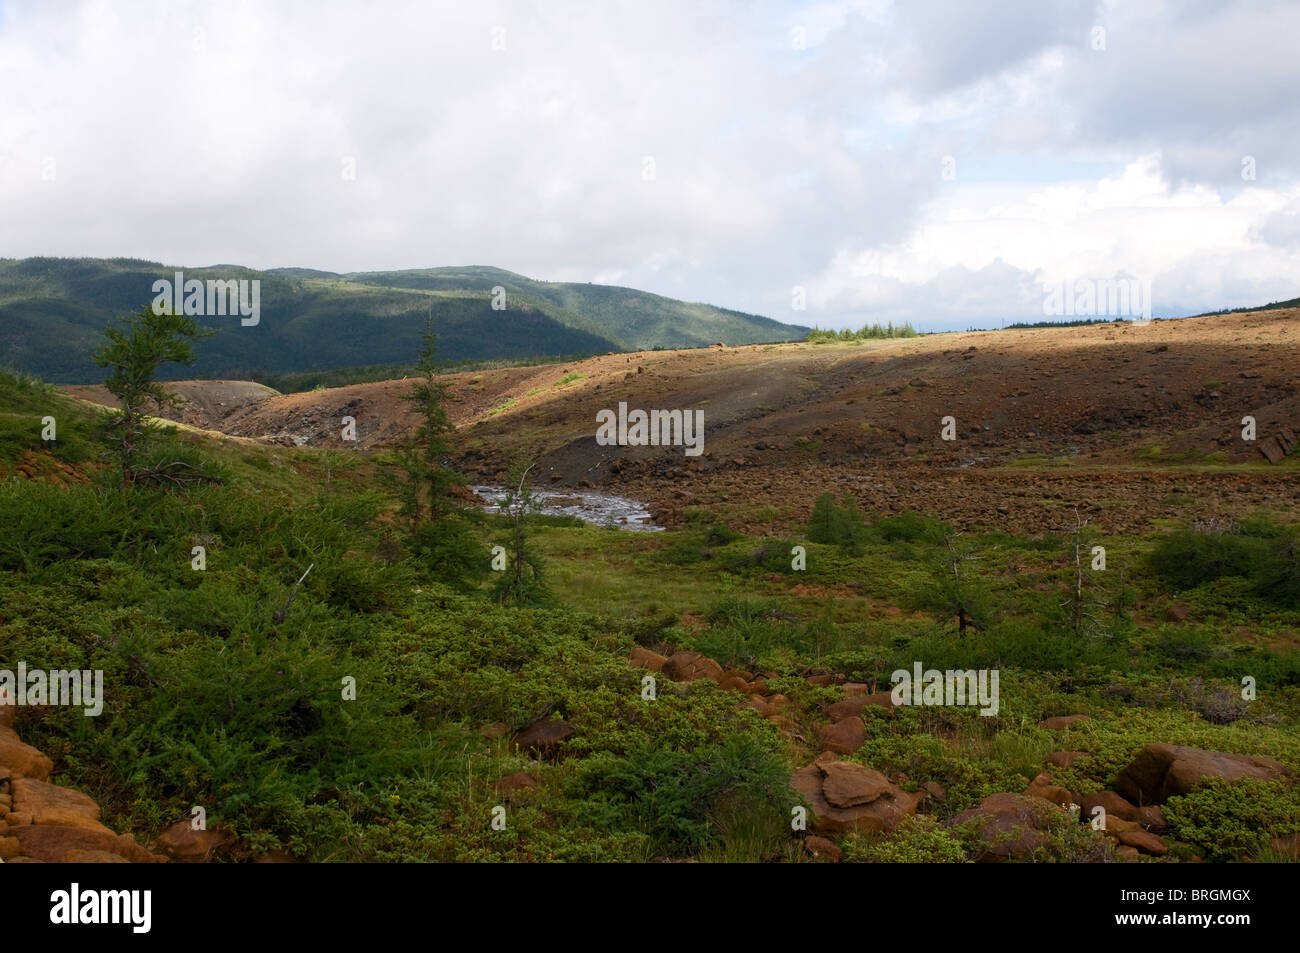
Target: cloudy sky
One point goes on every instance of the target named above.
(941, 162)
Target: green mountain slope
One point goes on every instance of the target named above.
(53, 310)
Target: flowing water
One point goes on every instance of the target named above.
(600, 509)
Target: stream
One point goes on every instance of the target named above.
(599, 509)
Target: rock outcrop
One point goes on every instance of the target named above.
(846, 796)
(1161, 771)
(48, 823)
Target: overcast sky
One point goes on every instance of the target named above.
(932, 161)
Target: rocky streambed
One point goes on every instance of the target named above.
(600, 509)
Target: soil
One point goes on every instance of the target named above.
(1045, 420)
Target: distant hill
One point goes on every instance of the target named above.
(1271, 306)
(53, 312)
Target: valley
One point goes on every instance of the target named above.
(719, 690)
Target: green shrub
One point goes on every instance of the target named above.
(1265, 555)
(679, 798)
(917, 840)
(910, 527)
(1231, 820)
(837, 524)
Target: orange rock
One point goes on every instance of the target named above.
(690, 667)
(821, 681)
(846, 784)
(1115, 805)
(644, 658)
(543, 736)
(37, 797)
(859, 704)
(1146, 842)
(1061, 722)
(1043, 787)
(22, 760)
(1160, 771)
(183, 843)
(843, 737)
(51, 844)
(514, 783)
(883, 813)
(66, 817)
(820, 847)
(78, 856)
(1065, 759)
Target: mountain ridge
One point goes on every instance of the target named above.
(53, 312)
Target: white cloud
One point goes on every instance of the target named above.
(209, 132)
(1195, 245)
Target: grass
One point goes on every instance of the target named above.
(206, 681)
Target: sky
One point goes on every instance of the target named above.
(829, 163)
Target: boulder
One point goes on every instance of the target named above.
(644, 658)
(691, 667)
(1272, 449)
(515, 783)
(1061, 722)
(1146, 842)
(1114, 825)
(1152, 818)
(1176, 614)
(1066, 759)
(935, 790)
(883, 813)
(826, 679)
(1115, 805)
(52, 804)
(184, 844)
(1161, 771)
(51, 844)
(858, 704)
(845, 784)
(843, 737)
(66, 817)
(1043, 787)
(9, 847)
(820, 847)
(22, 760)
(1010, 825)
(543, 736)
(93, 857)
